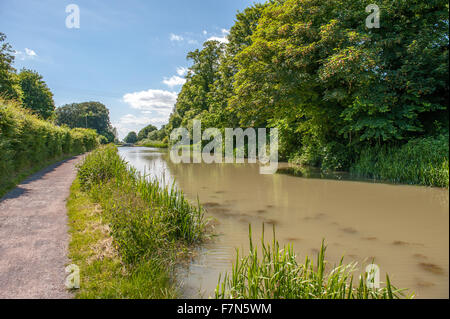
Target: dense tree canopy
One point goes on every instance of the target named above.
(36, 94)
(131, 138)
(145, 131)
(330, 84)
(92, 115)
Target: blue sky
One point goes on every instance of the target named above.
(129, 54)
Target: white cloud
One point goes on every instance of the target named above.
(222, 39)
(174, 37)
(152, 100)
(174, 81)
(182, 70)
(28, 54)
(134, 120)
(205, 32)
(131, 122)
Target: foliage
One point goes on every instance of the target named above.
(276, 274)
(146, 131)
(153, 143)
(423, 161)
(36, 95)
(131, 138)
(318, 63)
(93, 115)
(328, 83)
(151, 226)
(9, 86)
(103, 274)
(27, 141)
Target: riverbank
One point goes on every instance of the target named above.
(150, 143)
(420, 161)
(128, 233)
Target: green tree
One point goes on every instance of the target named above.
(36, 94)
(131, 138)
(318, 73)
(145, 131)
(192, 100)
(9, 86)
(94, 115)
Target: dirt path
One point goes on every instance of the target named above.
(33, 234)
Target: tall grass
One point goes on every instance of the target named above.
(151, 225)
(27, 141)
(423, 161)
(276, 274)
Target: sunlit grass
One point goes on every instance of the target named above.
(422, 161)
(151, 227)
(276, 274)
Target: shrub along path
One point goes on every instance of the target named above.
(33, 234)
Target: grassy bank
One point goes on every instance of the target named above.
(28, 143)
(150, 143)
(276, 274)
(146, 230)
(423, 161)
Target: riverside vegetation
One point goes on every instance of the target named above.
(343, 96)
(276, 274)
(146, 228)
(28, 143)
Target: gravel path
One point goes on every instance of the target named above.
(33, 234)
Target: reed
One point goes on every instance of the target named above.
(152, 226)
(276, 274)
(423, 161)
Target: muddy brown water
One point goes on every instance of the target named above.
(404, 229)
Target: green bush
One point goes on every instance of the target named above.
(423, 161)
(27, 141)
(330, 156)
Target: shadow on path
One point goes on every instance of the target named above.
(19, 191)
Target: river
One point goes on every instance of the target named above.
(404, 229)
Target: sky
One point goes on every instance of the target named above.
(129, 55)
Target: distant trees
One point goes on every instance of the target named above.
(131, 138)
(145, 131)
(36, 94)
(92, 115)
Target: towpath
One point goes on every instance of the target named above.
(34, 234)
